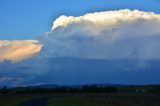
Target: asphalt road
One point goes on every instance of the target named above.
(35, 102)
(42, 101)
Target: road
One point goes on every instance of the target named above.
(35, 102)
(42, 101)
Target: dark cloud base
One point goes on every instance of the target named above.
(80, 71)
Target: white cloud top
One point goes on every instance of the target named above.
(18, 49)
(124, 43)
(119, 34)
(105, 18)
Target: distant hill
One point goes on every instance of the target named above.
(49, 86)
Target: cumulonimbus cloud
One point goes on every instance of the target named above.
(105, 35)
(18, 49)
(120, 44)
(102, 35)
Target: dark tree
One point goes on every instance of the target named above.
(110, 89)
(4, 90)
(158, 88)
(85, 88)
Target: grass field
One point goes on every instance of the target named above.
(76, 101)
(9, 100)
(85, 99)
(106, 100)
(15, 100)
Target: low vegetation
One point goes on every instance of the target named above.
(106, 100)
(87, 95)
(76, 101)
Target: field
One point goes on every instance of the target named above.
(107, 100)
(86, 99)
(16, 99)
(77, 101)
(86, 96)
(12, 100)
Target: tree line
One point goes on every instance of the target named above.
(62, 89)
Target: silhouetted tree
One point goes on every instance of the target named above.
(94, 88)
(4, 90)
(110, 89)
(85, 88)
(158, 88)
(91, 89)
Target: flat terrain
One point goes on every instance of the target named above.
(81, 99)
(107, 100)
(18, 99)
(77, 101)
(35, 102)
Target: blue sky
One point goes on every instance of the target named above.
(25, 19)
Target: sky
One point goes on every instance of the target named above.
(79, 42)
(26, 19)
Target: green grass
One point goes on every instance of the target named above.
(12, 101)
(106, 100)
(83, 99)
(76, 101)
(15, 100)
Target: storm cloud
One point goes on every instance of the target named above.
(122, 34)
(111, 46)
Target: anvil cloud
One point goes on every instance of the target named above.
(105, 35)
(112, 46)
